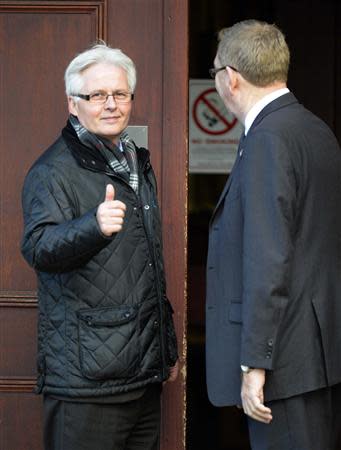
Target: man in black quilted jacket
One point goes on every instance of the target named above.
(106, 339)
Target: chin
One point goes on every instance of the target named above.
(113, 137)
(113, 132)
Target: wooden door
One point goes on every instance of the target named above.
(37, 40)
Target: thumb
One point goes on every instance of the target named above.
(109, 193)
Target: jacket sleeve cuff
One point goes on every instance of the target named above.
(259, 358)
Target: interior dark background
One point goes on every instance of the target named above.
(312, 29)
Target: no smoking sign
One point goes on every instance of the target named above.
(210, 114)
(214, 131)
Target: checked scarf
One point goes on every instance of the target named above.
(123, 163)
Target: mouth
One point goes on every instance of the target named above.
(111, 119)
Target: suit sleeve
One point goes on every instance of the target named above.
(268, 189)
(54, 239)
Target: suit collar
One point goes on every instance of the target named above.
(261, 104)
(280, 102)
(242, 142)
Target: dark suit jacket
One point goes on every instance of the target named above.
(274, 260)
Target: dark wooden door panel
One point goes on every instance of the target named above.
(38, 44)
(21, 421)
(145, 46)
(18, 337)
(38, 40)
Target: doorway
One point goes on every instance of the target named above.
(315, 37)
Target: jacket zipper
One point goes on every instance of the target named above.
(152, 252)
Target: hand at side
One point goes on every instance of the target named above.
(253, 397)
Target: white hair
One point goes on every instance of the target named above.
(97, 54)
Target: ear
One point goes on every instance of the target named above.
(233, 80)
(72, 105)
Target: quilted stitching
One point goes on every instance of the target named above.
(79, 268)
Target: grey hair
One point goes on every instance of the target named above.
(97, 54)
(257, 50)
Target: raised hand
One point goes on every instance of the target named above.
(110, 213)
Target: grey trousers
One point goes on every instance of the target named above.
(133, 425)
(310, 421)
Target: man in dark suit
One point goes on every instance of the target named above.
(273, 272)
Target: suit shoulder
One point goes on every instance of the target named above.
(295, 122)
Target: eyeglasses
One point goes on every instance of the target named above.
(213, 72)
(100, 97)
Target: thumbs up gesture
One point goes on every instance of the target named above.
(110, 213)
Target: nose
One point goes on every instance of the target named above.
(110, 102)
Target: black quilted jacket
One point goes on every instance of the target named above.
(105, 324)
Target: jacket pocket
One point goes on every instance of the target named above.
(108, 342)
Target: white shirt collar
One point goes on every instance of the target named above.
(261, 104)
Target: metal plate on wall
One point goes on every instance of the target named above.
(139, 134)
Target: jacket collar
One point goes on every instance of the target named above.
(92, 159)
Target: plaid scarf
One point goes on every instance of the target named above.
(122, 162)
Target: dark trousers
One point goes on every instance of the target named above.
(133, 425)
(310, 421)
